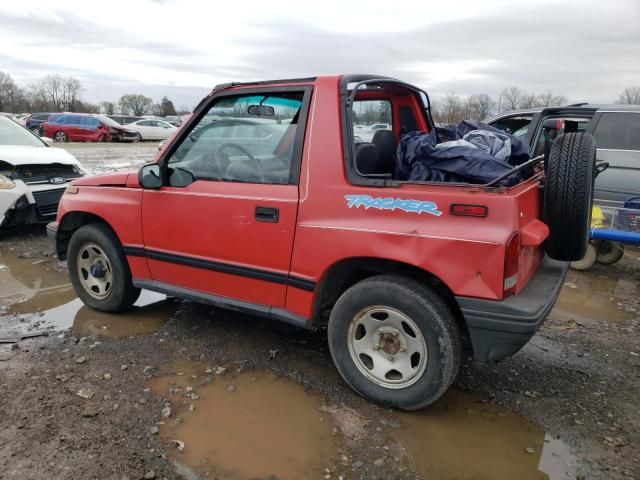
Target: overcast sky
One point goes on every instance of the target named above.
(587, 50)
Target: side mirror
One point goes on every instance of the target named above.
(149, 176)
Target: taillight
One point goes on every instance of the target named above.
(469, 210)
(511, 264)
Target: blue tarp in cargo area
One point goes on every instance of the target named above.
(470, 152)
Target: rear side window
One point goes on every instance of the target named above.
(88, 122)
(618, 131)
(370, 116)
(56, 119)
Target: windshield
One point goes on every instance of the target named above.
(13, 134)
(108, 121)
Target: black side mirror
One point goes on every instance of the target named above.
(149, 176)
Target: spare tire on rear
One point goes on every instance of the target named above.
(568, 195)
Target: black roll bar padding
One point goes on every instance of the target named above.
(515, 169)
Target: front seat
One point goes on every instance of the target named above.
(366, 158)
(386, 144)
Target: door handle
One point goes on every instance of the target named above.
(267, 214)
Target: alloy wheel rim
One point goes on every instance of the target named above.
(387, 347)
(94, 271)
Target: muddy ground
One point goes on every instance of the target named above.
(173, 389)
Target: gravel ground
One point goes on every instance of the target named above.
(578, 380)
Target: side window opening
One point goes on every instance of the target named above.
(517, 125)
(375, 141)
(241, 138)
(618, 131)
(570, 124)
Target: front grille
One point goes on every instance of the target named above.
(47, 201)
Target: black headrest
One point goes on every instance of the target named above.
(366, 158)
(386, 143)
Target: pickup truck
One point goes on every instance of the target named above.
(264, 203)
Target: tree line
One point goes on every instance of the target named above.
(453, 108)
(56, 93)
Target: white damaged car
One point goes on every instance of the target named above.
(33, 176)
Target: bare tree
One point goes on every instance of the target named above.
(479, 106)
(511, 98)
(12, 97)
(107, 107)
(56, 93)
(629, 96)
(550, 100)
(136, 104)
(450, 109)
(528, 100)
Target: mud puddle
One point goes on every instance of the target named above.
(589, 297)
(460, 437)
(249, 425)
(257, 425)
(36, 297)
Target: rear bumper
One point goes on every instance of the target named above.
(499, 329)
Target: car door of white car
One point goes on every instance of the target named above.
(163, 130)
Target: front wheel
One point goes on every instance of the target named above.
(99, 270)
(395, 341)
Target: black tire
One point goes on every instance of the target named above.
(586, 262)
(568, 195)
(122, 293)
(433, 318)
(138, 137)
(609, 252)
(60, 137)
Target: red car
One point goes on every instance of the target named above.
(263, 203)
(78, 127)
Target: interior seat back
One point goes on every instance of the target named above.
(366, 158)
(386, 145)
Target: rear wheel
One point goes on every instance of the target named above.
(99, 270)
(60, 137)
(395, 341)
(568, 195)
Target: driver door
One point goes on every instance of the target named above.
(223, 222)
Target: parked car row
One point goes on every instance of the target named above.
(88, 127)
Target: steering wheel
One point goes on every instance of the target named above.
(244, 151)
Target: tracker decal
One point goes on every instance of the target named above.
(410, 206)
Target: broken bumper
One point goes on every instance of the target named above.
(499, 329)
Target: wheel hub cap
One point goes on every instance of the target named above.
(389, 343)
(94, 271)
(97, 270)
(387, 347)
